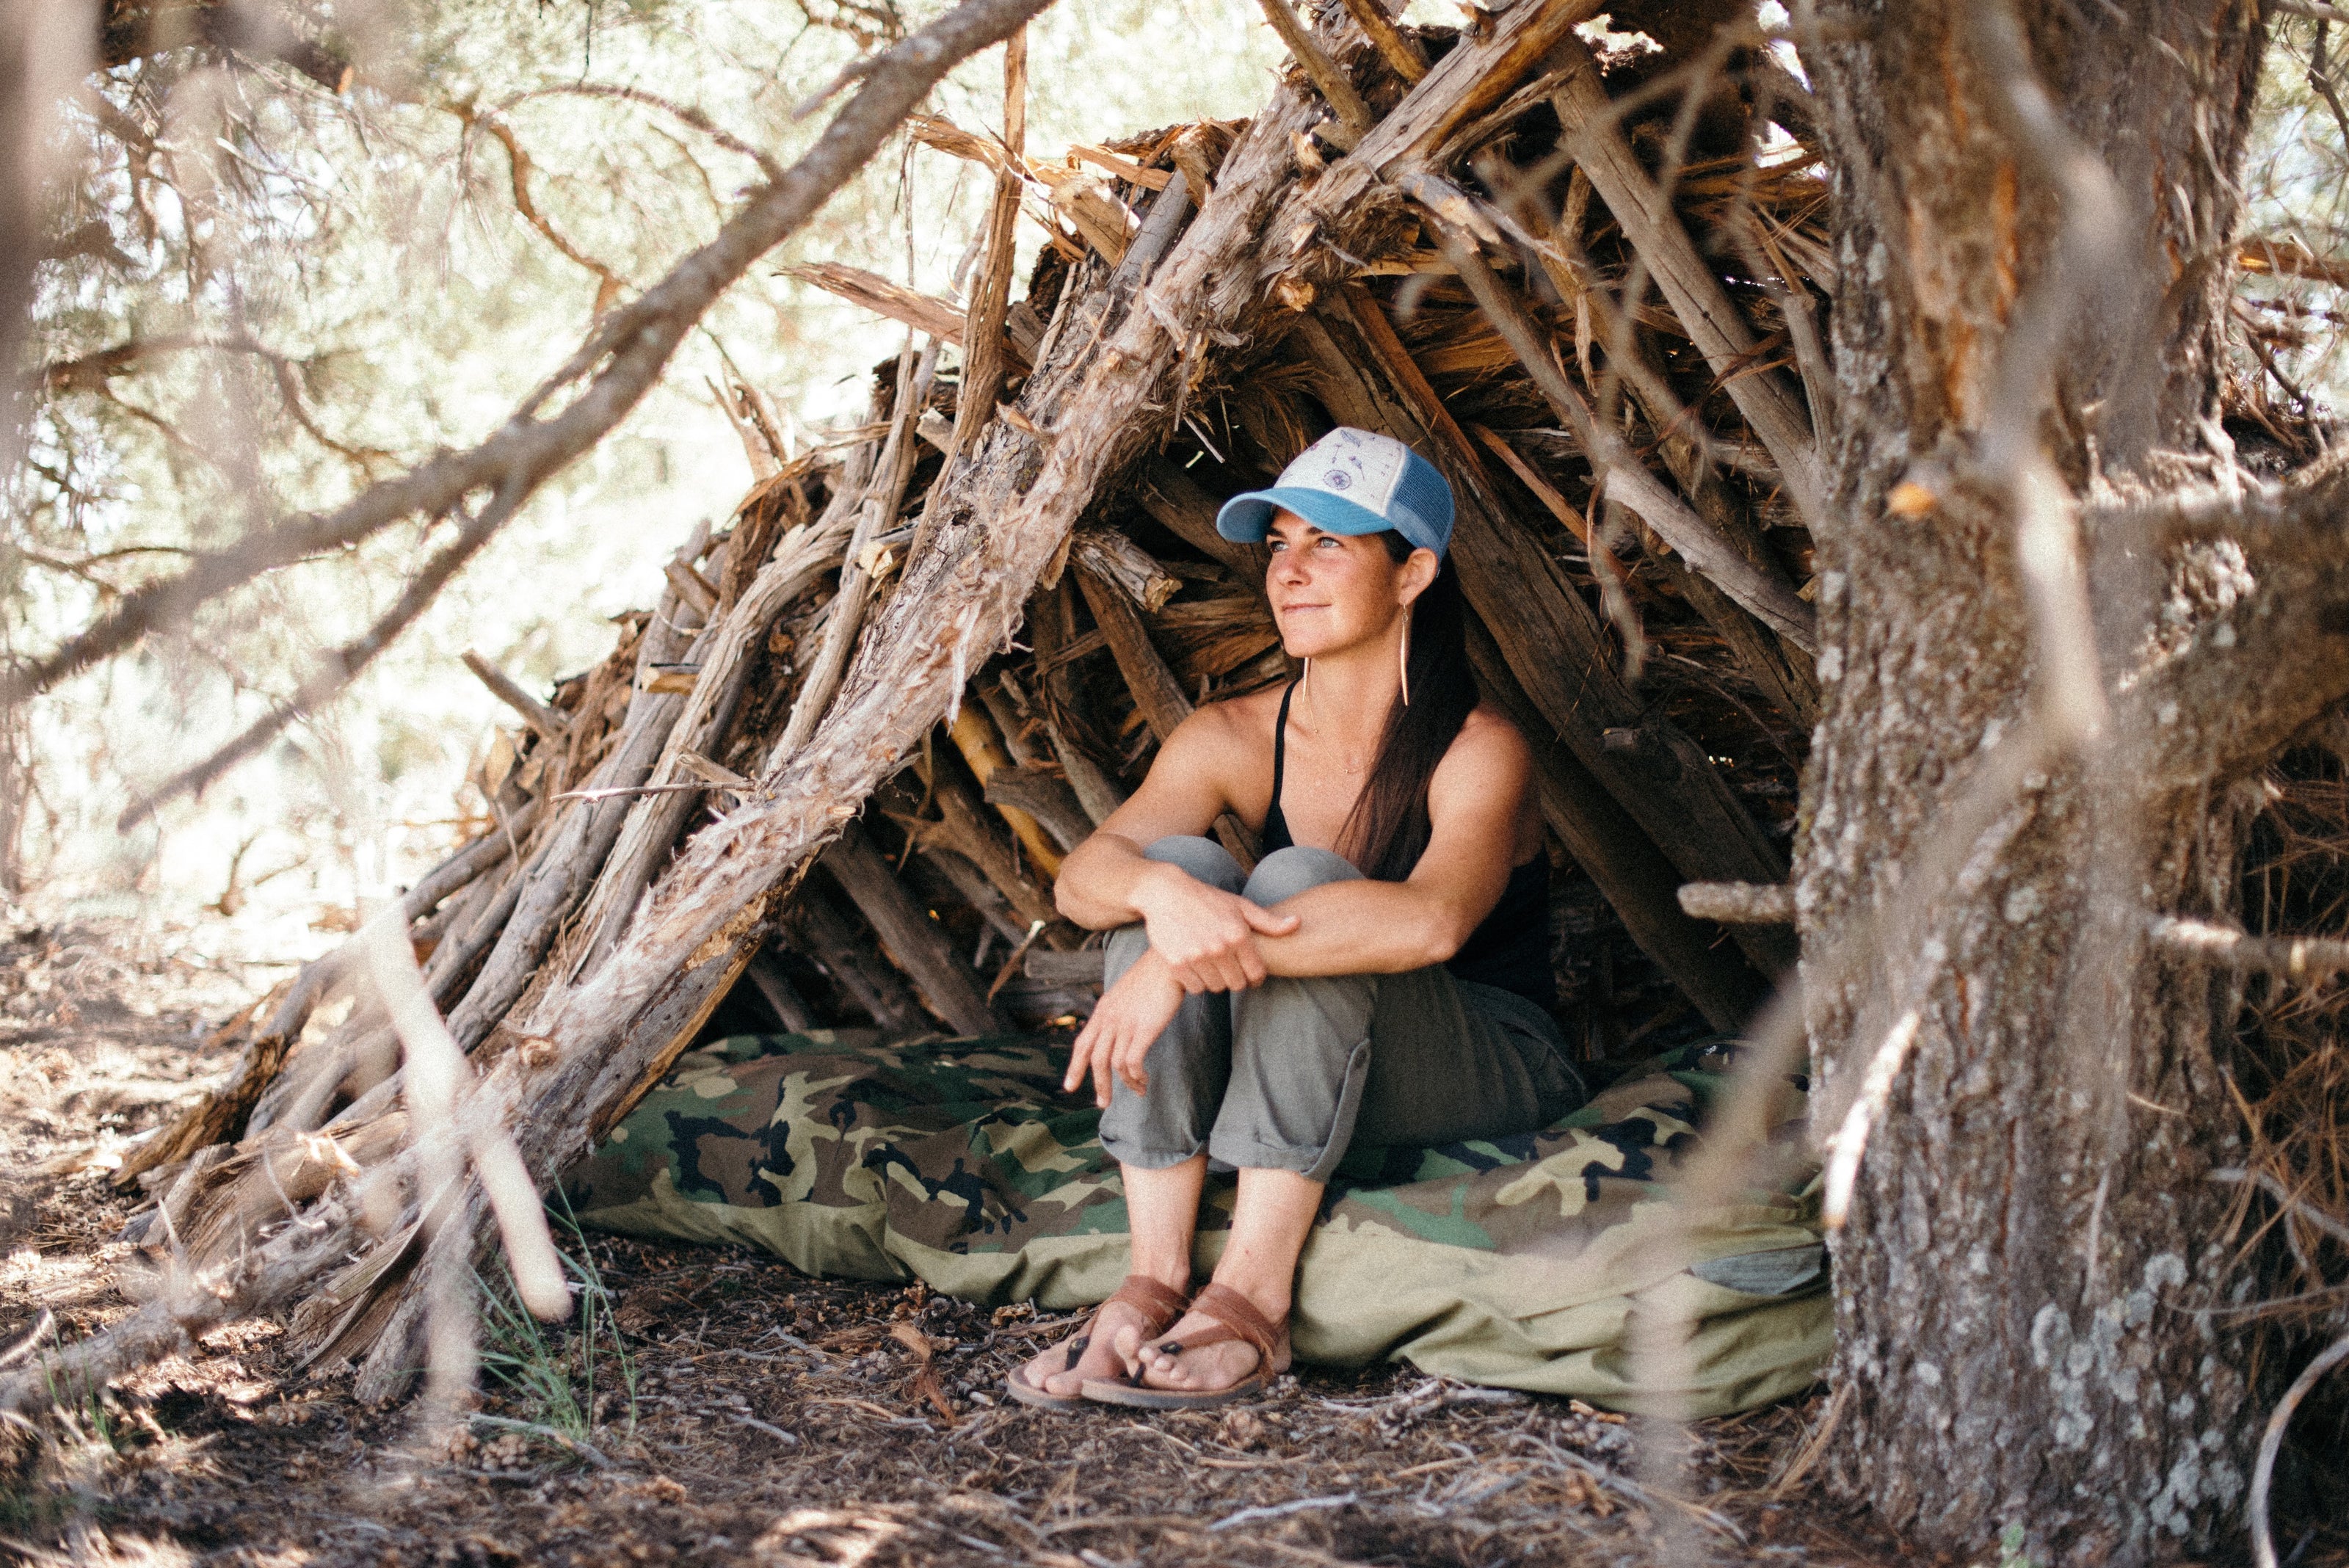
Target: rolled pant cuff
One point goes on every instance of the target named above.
(1313, 1162)
(1146, 1159)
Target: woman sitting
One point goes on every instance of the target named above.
(1384, 975)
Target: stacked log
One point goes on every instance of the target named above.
(829, 777)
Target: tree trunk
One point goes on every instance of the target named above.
(2033, 1230)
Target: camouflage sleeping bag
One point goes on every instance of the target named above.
(1521, 1261)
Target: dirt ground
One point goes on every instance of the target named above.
(759, 1417)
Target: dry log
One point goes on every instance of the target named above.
(962, 827)
(583, 1100)
(1114, 558)
(1178, 503)
(1624, 476)
(971, 884)
(791, 1008)
(221, 1116)
(876, 511)
(1402, 53)
(571, 858)
(1051, 625)
(910, 936)
(1157, 693)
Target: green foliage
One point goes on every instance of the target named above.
(552, 1374)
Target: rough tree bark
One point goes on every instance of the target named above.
(2032, 1226)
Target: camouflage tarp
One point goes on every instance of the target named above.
(1520, 1262)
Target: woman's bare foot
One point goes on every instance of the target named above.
(1112, 1340)
(1208, 1368)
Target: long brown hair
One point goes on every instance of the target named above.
(1388, 828)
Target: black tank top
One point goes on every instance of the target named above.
(1508, 949)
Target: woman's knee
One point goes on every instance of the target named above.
(1285, 873)
(1202, 859)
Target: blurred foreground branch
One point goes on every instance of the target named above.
(632, 345)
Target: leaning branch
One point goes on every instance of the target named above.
(1626, 478)
(632, 344)
(2295, 958)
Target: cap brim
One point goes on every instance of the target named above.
(1247, 517)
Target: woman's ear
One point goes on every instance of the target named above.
(1415, 574)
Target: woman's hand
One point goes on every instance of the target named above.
(1133, 1014)
(1205, 936)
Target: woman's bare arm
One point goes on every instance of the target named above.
(1204, 934)
(1476, 803)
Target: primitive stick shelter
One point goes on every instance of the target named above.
(829, 777)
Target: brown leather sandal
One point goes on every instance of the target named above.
(1160, 1306)
(1235, 1317)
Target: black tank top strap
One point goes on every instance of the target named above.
(1276, 834)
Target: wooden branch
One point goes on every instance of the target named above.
(2251, 680)
(1626, 478)
(1740, 903)
(695, 589)
(912, 939)
(1044, 798)
(632, 344)
(1482, 68)
(732, 651)
(1180, 505)
(1159, 695)
(339, 666)
(1720, 333)
(971, 884)
(973, 733)
(568, 863)
(847, 956)
(772, 984)
(2305, 959)
(1111, 557)
(548, 721)
(962, 827)
(876, 509)
(1329, 77)
(930, 316)
(984, 366)
(1404, 55)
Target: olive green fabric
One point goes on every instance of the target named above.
(1524, 1261)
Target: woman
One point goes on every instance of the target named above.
(1384, 973)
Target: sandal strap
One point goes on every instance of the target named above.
(1237, 1316)
(1159, 1305)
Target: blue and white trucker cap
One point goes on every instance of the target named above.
(1351, 482)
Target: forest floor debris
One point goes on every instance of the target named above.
(773, 1419)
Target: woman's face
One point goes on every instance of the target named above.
(1330, 592)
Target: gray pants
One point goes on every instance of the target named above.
(1287, 1075)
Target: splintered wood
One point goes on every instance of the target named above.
(829, 778)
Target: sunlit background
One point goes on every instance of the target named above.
(352, 285)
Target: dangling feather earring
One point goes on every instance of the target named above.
(1403, 659)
